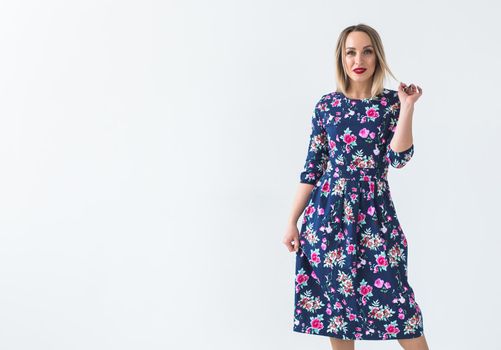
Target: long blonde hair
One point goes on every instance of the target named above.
(381, 70)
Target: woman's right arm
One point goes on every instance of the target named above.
(314, 167)
(291, 237)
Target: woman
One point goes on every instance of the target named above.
(351, 253)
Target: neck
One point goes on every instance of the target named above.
(359, 90)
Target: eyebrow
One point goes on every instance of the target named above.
(353, 47)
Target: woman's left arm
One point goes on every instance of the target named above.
(401, 144)
(402, 139)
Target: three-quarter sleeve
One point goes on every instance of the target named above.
(318, 152)
(397, 159)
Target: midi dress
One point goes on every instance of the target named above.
(351, 267)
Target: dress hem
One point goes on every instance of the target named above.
(410, 336)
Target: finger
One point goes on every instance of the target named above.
(412, 89)
(296, 244)
(289, 246)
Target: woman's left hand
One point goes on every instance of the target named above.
(409, 94)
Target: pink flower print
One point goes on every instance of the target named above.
(350, 248)
(326, 186)
(347, 138)
(310, 210)
(372, 135)
(372, 113)
(301, 278)
(401, 316)
(321, 211)
(383, 101)
(364, 290)
(379, 283)
(315, 257)
(404, 242)
(361, 217)
(371, 210)
(314, 275)
(381, 261)
(328, 311)
(387, 285)
(352, 317)
(323, 246)
(364, 133)
(335, 102)
(392, 329)
(317, 324)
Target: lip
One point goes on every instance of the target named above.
(359, 70)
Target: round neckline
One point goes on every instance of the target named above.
(360, 99)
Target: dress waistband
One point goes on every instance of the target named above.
(357, 173)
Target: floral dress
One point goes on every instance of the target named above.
(351, 268)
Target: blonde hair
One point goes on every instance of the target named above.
(381, 70)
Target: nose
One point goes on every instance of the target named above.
(358, 59)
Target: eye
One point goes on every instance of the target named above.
(368, 51)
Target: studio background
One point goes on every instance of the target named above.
(151, 150)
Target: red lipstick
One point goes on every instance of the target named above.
(359, 70)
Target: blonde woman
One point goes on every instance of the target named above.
(351, 251)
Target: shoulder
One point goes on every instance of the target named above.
(324, 102)
(390, 93)
(327, 96)
(328, 99)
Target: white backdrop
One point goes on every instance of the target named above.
(150, 151)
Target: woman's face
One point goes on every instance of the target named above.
(359, 53)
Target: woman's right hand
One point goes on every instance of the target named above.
(291, 237)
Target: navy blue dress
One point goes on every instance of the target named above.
(351, 268)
